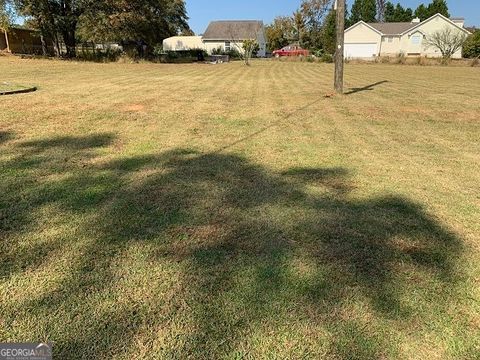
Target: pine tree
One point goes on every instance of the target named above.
(397, 13)
(370, 10)
(389, 12)
(329, 32)
(438, 7)
(365, 10)
(421, 12)
(402, 15)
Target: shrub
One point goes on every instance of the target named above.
(318, 53)
(326, 58)
(99, 55)
(181, 56)
(234, 54)
(471, 48)
(401, 58)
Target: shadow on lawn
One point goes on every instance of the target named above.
(252, 252)
(5, 136)
(365, 88)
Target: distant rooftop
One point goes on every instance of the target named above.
(393, 28)
(233, 29)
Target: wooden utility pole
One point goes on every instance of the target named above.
(340, 27)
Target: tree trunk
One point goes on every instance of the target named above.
(6, 40)
(56, 45)
(70, 42)
(340, 45)
(44, 45)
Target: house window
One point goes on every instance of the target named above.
(416, 39)
(227, 46)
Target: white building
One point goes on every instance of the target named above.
(368, 40)
(222, 35)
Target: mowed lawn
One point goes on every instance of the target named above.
(195, 211)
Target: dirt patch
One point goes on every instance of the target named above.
(134, 108)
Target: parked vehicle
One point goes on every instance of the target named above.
(291, 50)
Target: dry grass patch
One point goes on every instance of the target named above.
(189, 211)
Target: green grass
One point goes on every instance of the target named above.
(196, 211)
(8, 87)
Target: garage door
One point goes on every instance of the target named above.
(360, 50)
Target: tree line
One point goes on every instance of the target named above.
(68, 22)
(313, 24)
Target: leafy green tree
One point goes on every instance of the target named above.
(365, 10)
(105, 20)
(329, 32)
(471, 48)
(54, 18)
(313, 13)
(281, 32)
(5, 20)
(149, 21)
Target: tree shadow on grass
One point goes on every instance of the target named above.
(365, 88)
(5, 136)
(208, 255)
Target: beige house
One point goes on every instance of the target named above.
(368, 40)
(222, 35)
(177, 43)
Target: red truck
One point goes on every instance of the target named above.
(291, 50)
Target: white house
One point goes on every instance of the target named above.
(368, 40)
(224, 35)
(177, 43)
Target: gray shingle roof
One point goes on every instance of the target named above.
(393, 28)
(233, 30)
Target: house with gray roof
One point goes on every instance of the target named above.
(222, 35)
(369, 40)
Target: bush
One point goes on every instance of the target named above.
(233, 53)
(318, 53)
(326, 58)
(471, 48)
(401, 58)
(181, 56)
(106, 55)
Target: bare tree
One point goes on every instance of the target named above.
(250, 46)
(448, 41)
(246, 48)
(381, 10)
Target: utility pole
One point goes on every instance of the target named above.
(340, 27)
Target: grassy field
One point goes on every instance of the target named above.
(197, 211)
(6, 87)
